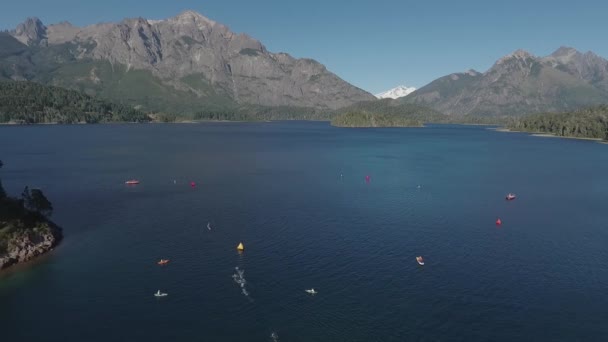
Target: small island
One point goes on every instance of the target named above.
(26, 231)
(386, 113)
(366, 119)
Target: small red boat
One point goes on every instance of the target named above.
(132, 182)
(510, 197)
(163, 261)
(420, 260)
(498, 222)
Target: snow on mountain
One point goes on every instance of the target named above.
(396, 92)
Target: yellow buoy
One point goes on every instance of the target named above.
(240, 247)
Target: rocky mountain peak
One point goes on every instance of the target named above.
(189, 17)
(564, 51)
(32, 31)
(519, 54)
(65, 24)
(564, 55)
(519, 60)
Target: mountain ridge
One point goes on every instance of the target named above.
(187, 57)
(520, 83)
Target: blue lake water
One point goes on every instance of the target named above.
(295, 194)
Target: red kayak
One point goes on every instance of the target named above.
(132, 182)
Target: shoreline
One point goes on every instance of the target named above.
(548, 135)
(421, 126)
(26, 265)
(496, 129)
(134, 123)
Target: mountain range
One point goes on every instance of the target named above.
(185, 63)
(397, 92)
(521, 83)
(189, 64)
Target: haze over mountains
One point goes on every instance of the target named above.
(521, 83)
(186, 62)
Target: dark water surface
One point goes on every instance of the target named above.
(542, 276)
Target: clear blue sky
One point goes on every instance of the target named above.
(375, 45)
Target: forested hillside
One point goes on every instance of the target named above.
(584, 123)
(385, 113)
(29, 102)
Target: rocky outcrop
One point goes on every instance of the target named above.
(29, 244)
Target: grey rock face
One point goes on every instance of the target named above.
(190, 44)
(521, 83)
(31, 32)
(586, 66)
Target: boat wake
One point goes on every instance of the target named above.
(239, 278)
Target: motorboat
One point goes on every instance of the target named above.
(160, 294)
(163, 261)
(420, 260)
(132, 182)
(510, 197)
(311, 291)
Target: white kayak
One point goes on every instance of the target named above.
(160, 294)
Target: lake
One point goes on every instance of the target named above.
(296, 195)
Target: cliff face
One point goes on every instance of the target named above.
(28, 244)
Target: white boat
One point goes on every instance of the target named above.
(209, 225)
(160, 294)
(420, 260)
(311, 291)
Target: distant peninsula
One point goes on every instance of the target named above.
(26, 231)
(589, 123)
